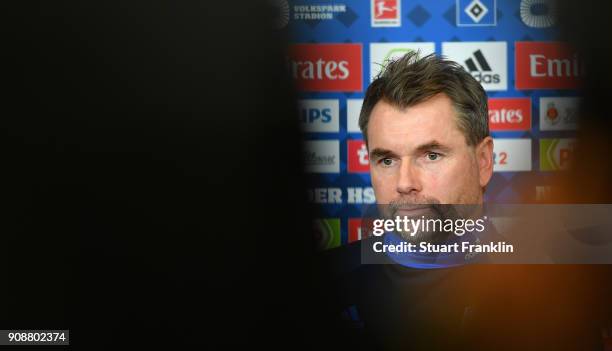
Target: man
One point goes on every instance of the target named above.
(425, 123)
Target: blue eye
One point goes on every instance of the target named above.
(387, 161)
(433, 156)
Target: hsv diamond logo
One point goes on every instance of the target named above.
(326, 67)
(511, 155)
(559, 113)
(382, 53)
(386, 13)
(556, 154)
(472, 13)
(547, 65)
(486, 61)
(507, 114)
(358, 159)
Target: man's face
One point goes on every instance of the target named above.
(419, 155)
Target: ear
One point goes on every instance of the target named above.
(484, 158)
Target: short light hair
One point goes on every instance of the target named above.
(410, 80)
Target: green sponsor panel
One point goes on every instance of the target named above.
(327, 233)
(555, 154)
(547, 163)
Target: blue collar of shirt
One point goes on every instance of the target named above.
(429, 260)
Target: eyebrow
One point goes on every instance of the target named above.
(431, 145)
(381, 153)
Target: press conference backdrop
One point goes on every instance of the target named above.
(510, 47)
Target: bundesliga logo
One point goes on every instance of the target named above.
(386, 13)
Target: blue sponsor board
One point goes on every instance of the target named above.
(342, 194)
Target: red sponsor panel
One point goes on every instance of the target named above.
(509, 114)
(326, 67)
(359, 228)
(358, 158)
(354, 228)
(547, 65)
(385, 9)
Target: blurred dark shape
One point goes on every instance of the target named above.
(515, 307)
(587, 27)
(562, 307)
(153, 175)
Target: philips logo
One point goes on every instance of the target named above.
(319, 115)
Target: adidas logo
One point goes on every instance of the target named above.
(484, 65)
(480, 71)
(486, 61)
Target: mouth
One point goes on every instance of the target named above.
(413, 211)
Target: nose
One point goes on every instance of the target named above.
(409, 182)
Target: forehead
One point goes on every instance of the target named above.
(433, 119)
